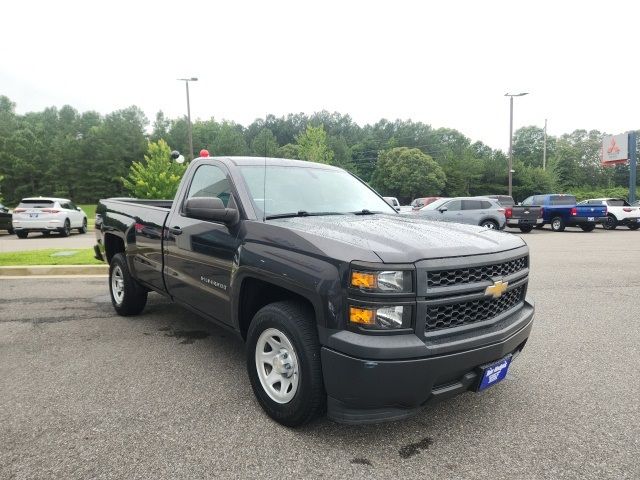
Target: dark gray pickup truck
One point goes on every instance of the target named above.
(346, 307)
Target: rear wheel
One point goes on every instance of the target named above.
(557, 224)
(65, 231)
(127, 296)
(10, 231)
(83, 228)
(490, 224)
(588, 228)
(283, 362)
(610, 223)
(526, 228)
(22, 234)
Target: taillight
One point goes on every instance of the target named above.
(627, 209)
(541, 214)
(50, 210)
(574, 211)
(18, 210)
(508, 213)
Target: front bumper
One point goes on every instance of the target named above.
(362, 390)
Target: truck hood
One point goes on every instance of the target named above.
(402, 239)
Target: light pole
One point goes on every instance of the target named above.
(186, 82)
(511, 95)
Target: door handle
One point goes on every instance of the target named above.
(175, 231)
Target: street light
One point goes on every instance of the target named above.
(511, 95)
(186, 82)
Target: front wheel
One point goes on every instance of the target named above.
(283, 362)
(588, 228)
(22, 234)
(83, 228)
(127, 296)
(634, 226)
(557, 224)
(490, 224)
(526, 228)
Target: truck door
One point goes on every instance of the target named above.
(198, 253)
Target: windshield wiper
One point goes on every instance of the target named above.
(365, 211)
(301, 213)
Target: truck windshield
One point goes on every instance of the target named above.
(309, 191)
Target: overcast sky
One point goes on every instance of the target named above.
(448, 64)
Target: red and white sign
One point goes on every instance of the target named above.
(615, 149)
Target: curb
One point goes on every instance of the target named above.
(21, 271)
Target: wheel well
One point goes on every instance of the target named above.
(112, 245)
(256, 294)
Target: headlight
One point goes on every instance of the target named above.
(393, 317)
(382, 282)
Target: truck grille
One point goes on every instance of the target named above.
(457, 314)
(448, 278)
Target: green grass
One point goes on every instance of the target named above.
(43, 257)
(90, 210)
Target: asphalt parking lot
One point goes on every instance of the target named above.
(88, 394)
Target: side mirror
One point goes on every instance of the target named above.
(211, 208)
(443, 209)
(78, 209)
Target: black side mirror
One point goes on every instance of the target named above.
(443, 209)
(211, 208)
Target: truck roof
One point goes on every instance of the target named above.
(270, 161)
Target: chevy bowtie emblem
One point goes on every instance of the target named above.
(497, 289)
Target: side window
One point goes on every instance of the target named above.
(538, 200)
(485, 205)
(453, 205)
(71, 206)
(527, 201)
(210, 181)
(66, 206)
(471, 204)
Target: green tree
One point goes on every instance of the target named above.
(407, 173)
(290, 150)
(264, 144)
(312, 145)
(158, 176)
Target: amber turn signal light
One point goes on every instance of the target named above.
(363, 316)
(363, 280)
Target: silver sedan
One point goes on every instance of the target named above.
(482, 211)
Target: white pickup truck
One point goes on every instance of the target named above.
(619, 212)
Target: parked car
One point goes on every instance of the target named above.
(393, 201)
(345, 306)
(46, 215)
(482, 211)
(418, 203)
(524, 218)
(5, 219)
(561, 211)
(619, 212)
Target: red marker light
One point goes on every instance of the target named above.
(204, 152)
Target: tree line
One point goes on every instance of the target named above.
(87, 156)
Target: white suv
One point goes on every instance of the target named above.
(46, 215)
(620, 212)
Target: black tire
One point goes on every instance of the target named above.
(539, 226)
(526, 228)
(65, 231)
(557, 224)
(490, 224)
(83, 228)
(10, 231)
(133, 297)
(22, 234)
(297, 322)
(610, 223)
(588, 228)
(633, 226)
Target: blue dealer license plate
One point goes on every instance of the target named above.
(494, 373)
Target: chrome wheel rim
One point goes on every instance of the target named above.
(489, 225)
(117, 284)
(277, 365)
(556, 224)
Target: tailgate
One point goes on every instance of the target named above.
(592, 211)
(525, 213)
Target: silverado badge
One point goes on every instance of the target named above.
(497, 289)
